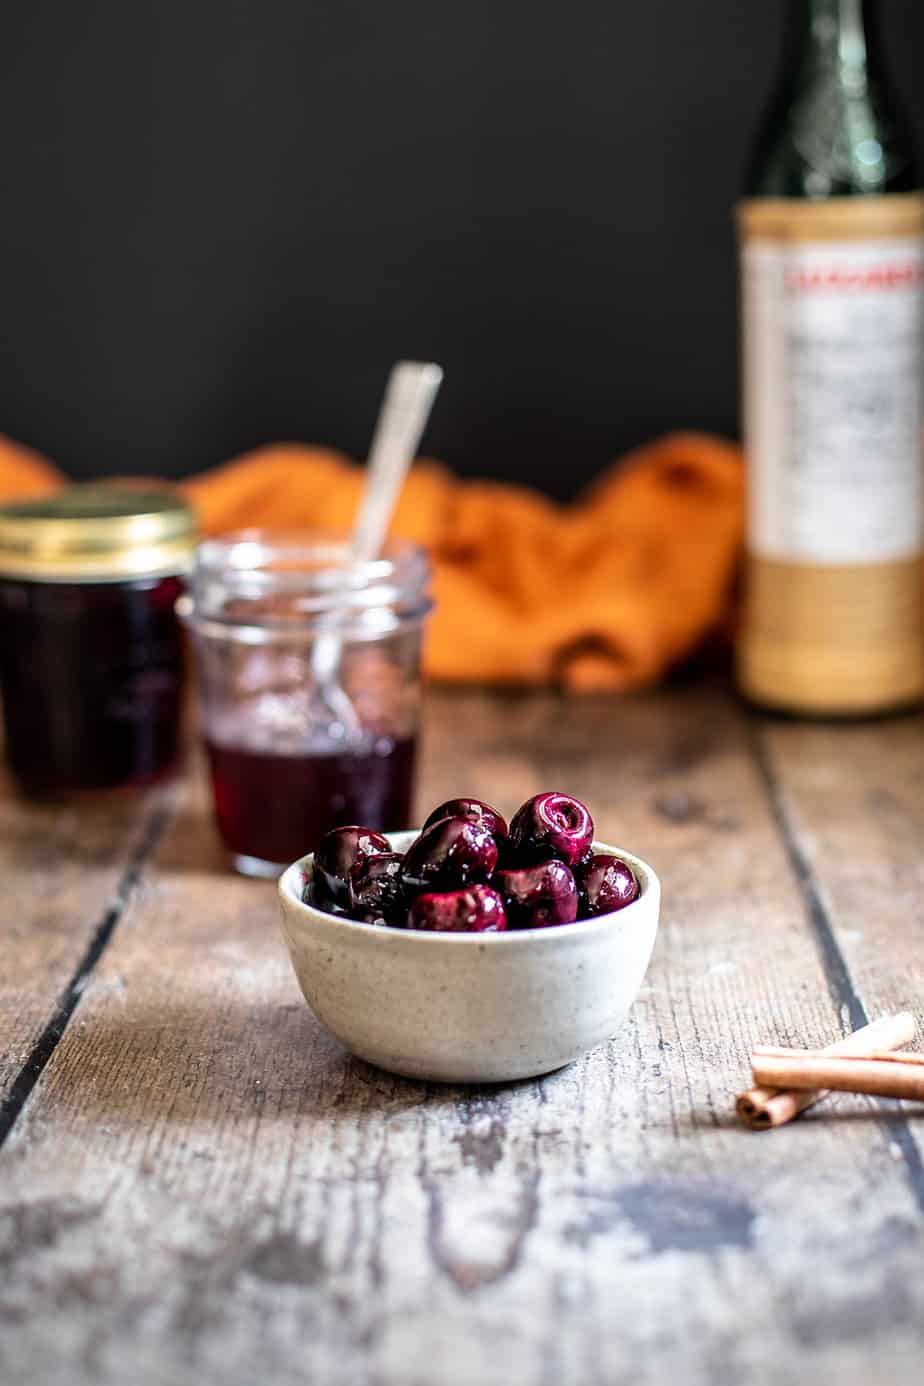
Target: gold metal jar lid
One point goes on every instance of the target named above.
(97, 531)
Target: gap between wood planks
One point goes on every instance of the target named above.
(841, 985)
(44, 1047)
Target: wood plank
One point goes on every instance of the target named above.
(851, 803)
(204, 1186)
(66, 871)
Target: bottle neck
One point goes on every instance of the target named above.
(835, 127)
(834, 36)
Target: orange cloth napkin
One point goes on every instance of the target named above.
(605, 593)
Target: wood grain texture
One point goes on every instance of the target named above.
(66, 869)
(850, 804)
(852, 799)
(204, 1187)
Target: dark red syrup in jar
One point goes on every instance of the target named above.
(274, 806)
(92, 675)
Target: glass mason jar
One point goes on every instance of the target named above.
(310, 688)
(91, 664)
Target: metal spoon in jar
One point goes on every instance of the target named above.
(409, 396)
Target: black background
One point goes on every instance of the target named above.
(221, 220)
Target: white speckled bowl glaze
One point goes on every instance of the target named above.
(470, 1008)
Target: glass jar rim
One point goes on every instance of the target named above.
(276, 582)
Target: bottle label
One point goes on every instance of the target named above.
(833, 379)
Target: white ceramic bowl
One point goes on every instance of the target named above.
(470, 1008)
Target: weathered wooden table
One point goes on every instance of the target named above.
(198, 1185)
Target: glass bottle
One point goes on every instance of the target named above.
(832, 273)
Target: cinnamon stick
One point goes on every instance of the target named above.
(762, 1108)
(771, 1051)
(841, 1073)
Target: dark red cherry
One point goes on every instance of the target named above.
(605, 884)
(536, 896)
(452, 853)
(475, 910)
(377, 893)
(336, 857)
(551, 825)
(475, 809)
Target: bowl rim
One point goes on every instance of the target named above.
(649, 886)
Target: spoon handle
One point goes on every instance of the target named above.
(409, 396)
(408, 399)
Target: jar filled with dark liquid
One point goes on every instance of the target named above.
(298, 744)
(91, 665)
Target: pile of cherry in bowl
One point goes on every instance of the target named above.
(468, 872)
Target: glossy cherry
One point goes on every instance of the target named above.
(377, 893)
(551, 825)
(450, 854)
(605, 884)
(336, 858)
(475, 910)
(475, 809)
(537, 896)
